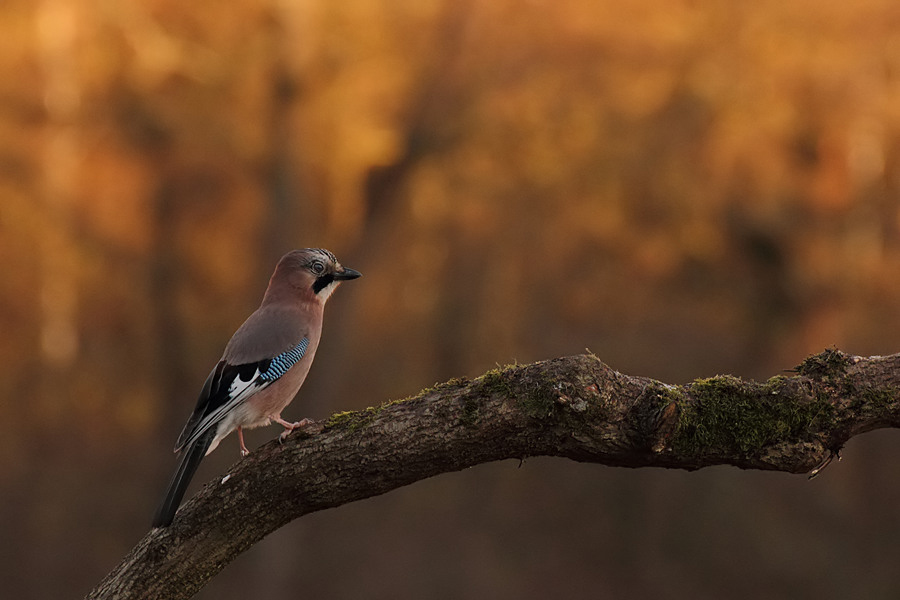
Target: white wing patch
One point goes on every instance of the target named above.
(239, 385)
(239, 391)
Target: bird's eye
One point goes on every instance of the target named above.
(317, 267)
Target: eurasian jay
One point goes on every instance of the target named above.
(263, 366)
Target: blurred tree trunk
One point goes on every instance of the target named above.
(287, 218)
(439, 94)
(574, 407)
(431, 128)
(174, 376)
(57, 25)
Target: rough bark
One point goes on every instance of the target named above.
(573, 407)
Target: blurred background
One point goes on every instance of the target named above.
(685, 188)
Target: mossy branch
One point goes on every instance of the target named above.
(574, 407)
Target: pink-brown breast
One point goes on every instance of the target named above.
(272, 400)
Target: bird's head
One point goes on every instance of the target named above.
(313, 271)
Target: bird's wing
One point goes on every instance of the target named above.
(230, 385)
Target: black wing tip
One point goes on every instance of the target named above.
(161, 521)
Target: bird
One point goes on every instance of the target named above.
(263, 365)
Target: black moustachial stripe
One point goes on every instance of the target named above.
(322, 282)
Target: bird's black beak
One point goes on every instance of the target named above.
(347, 274)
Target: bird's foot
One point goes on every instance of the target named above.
(289, 427)
(244, 451)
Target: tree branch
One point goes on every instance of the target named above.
(574, 407)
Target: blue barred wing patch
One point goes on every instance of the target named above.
(283, 362)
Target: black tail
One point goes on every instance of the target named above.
(190, 460)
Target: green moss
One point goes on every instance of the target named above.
(496, 381)
(878, 400)
(880, 397)
(774, 384)
(471, 410)
(831, 363)
(341, 418)
(533, 389)
(540, 397)
(351, 419)
(356, 419)
(725, 414)
(456, 382)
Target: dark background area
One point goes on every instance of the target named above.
(684, 188)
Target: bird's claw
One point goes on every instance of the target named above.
(244, 451)
(290, 427)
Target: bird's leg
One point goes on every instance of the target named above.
(244, 451)
(288, 427)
